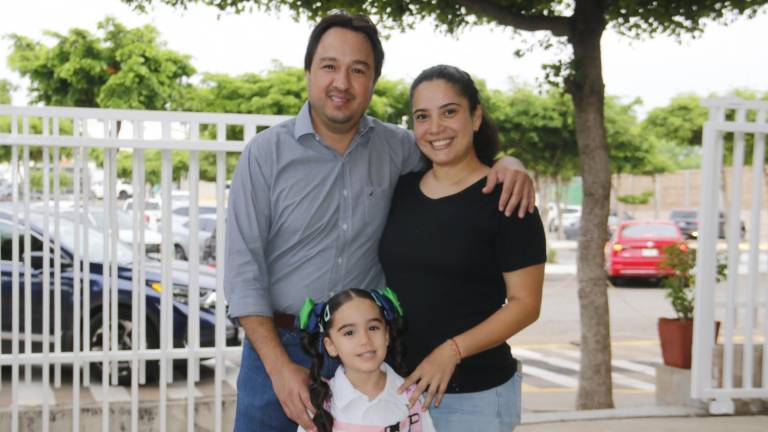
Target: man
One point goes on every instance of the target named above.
(308, 201)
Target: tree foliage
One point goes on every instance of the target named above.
(537, 129)
(634, 18)
(119, 68)
(680, 121)
(5, 92)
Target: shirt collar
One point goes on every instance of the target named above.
(344, 392)
(303, 125)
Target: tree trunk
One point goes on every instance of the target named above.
(587, 90)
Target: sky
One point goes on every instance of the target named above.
(726, 57)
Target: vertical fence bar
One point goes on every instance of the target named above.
(703, 335)
(14, 279)
(46, 282)
(138, 207)
(732, 291)
(76, 364)
(110, 259)
(221, 179)
(168, 231)
(166, 284)
(752, 309)
(732, 236)
(193, 320)
(56, 260)
(86, 267)
(27, 262)
(138, 251)
(114, 229)
(106, 280)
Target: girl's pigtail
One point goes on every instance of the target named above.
(319, 391)
(396, 347)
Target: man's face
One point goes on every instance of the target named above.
(340, 80)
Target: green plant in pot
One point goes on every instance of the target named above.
(676, 334)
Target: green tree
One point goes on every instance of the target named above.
(681, 121)
(5, 92)
(580, 24)
(120, 68)
(538, 129)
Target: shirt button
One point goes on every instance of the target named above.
(344, 192)
(344, 227)
(340, 260)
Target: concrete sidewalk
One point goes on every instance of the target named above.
(661, 424)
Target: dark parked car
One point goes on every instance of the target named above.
(152, 276)
(688, 222)
(571, 230)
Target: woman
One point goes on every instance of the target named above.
(468, 277)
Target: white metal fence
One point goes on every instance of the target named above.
(722, 373)
(128, 313)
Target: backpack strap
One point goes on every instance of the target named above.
(412, 423)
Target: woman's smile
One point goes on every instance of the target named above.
(440, 144)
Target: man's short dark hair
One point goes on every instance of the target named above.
(358, 23)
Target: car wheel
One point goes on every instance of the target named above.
(615, 281)
(179, 253)
(124, 336)
(123, 195)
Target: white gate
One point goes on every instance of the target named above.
(48, 293)
(738, 367)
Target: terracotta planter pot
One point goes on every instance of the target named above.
(676, 336)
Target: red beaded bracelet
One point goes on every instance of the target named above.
(457, 349)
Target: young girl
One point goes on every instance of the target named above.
(360, 328)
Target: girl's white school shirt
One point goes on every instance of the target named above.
(349, 405)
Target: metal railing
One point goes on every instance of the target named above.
(110, 131)
(736, 124)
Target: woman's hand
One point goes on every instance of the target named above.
(432, 375)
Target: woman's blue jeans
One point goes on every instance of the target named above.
(494, 410)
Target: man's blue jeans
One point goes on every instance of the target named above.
(258, 409)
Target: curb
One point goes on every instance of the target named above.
(608, 414)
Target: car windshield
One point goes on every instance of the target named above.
(648, 230)
(683, 214)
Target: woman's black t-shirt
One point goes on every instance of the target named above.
(445, 258)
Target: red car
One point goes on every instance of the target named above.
(637, 249)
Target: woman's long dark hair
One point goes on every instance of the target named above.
(486, 139)
(319, 390)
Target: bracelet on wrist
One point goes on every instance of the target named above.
(456, 350)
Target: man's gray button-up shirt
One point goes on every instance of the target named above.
(304, 220)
